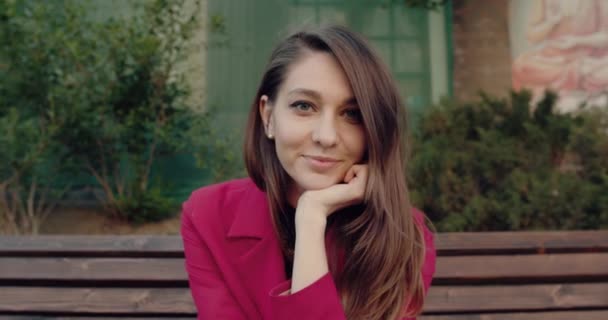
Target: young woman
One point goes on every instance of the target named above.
(322, 228)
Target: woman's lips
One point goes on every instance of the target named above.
(321, 163)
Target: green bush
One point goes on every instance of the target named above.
(504, 164)
(108, 88)
(31, 160)
(149, 205)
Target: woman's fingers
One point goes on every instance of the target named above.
(350, 174)
(359, 180)
(355, 183)
(340, 195)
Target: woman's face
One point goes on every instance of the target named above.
(315, 123)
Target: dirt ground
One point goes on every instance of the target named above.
(89, 221)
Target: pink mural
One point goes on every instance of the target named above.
(562, 45)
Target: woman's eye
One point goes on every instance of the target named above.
(301, 106)
(354, 115)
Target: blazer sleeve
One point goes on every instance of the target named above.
(319, 300)
(210, 294)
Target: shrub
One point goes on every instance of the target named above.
(30, 157)
(108, 87)
(505, 164)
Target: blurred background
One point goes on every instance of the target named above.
(113, 111)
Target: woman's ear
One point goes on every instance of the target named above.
(265, 107)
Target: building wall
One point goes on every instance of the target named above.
(481, 51)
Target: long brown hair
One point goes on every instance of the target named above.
(383, 246)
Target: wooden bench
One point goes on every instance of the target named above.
(510, 275)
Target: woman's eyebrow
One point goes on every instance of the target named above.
(311, 93)
(352, 101)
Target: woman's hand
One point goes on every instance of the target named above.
(324, 202)
(313, 208)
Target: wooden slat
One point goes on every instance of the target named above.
(519, 242)
(98, 269)
(39, 317)
(441, 299)
(93, 246)
(451, 243)
(562, 315)
(521, 268)
(145, 301)
(450, 270)
(516, 298)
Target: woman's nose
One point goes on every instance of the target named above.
(325, 132)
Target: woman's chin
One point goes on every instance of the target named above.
(317, 183)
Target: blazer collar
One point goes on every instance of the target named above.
(257, 254)
(252, 215)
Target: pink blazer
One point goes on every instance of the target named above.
(234, 262)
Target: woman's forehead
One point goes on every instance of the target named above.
(317, 75)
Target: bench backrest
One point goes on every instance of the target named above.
(502, 275)
(520, 275)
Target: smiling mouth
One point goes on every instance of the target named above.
(321, 163)
(322, 159)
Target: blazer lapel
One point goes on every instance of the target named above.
(256, 249)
